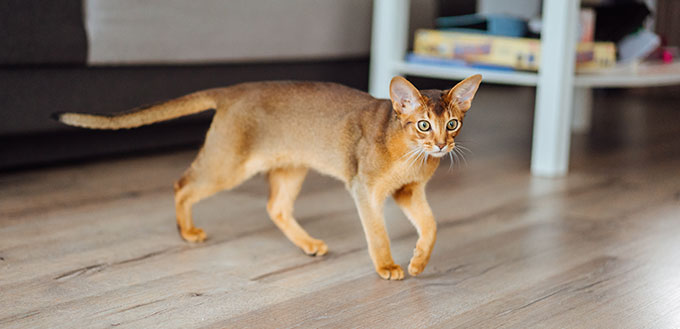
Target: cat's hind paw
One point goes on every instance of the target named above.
(314, 247)
(391, 272)
(193, 234)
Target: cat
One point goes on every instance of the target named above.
(376, 147)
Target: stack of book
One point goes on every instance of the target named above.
(481, 50)
(499, 47)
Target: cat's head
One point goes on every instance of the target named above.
(432, 118)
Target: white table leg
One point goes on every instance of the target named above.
(554, 93)
(582, 110)
(388, 43)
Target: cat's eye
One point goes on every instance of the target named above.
(423, 125)
(452, 125)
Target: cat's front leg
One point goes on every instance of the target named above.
(411, 199)
(370, 207)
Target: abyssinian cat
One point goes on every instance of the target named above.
(377, 147)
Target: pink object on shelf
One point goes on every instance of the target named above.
(667, 56)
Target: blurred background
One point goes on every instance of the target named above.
(107, 56)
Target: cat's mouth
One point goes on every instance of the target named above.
(437, 154)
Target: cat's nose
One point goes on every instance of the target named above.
(441, 146)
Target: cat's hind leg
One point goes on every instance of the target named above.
(208, 174)
(285, 185)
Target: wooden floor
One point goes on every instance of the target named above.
(95, 245)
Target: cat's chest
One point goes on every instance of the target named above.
(402, 173)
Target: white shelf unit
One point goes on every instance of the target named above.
(563, 99)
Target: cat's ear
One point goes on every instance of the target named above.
(406, 99)
(463, 93)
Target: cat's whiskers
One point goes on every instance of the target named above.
(456, 157)
(463, 149)
(417, 158)
(409, 153)
(420, 153)
(462, 156)
(415, 154)
(450, 158)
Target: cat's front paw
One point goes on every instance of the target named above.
(390, 272)
(193, 234)
(314, 247)
(418, 262)
(415, 267)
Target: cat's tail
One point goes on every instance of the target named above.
(189, 104)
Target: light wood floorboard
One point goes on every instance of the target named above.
(95, 245)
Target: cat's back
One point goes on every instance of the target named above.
(300, 96)
(307, 88)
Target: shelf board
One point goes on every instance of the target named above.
(444, 72)
(643, 75)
